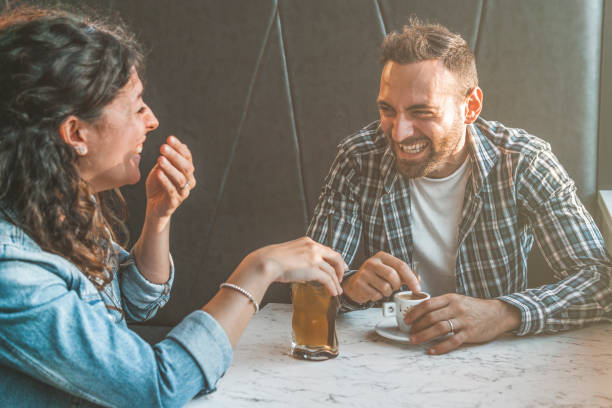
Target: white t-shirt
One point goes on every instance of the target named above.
(436, 206)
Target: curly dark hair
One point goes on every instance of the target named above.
(419, 42)
(54, 64)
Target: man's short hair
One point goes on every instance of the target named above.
(421, 42)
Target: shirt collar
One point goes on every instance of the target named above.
(388, 169)
(483, 152)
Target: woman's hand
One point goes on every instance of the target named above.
(168, 184)
(299, 260)
(170, 180)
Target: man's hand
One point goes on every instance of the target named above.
(379, 277)
(473, 321)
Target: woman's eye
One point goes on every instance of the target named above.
(141, 110)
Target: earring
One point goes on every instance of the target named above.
(80, 150)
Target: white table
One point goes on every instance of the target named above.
(570, 369)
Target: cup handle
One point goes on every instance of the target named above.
(388, 309)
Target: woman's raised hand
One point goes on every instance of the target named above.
(171, 179)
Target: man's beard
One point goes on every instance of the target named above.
(410, 169)
(438, 156)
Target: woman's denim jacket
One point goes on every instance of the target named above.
(64, 343)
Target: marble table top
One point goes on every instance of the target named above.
(569, 369)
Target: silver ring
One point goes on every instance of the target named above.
(452, 326)
(186, 185)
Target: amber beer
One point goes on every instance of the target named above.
(314, 322)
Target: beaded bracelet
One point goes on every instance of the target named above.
(243, 291)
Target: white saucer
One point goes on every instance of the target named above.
(388, 329)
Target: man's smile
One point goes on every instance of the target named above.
(413, 148)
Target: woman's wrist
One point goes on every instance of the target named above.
(152, 250)
(265, 269)
(155, 224)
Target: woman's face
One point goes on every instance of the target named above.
(114, 141)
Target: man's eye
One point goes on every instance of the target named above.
(385, 109)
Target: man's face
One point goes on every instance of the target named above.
(422, 114)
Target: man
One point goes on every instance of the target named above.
(432, 183)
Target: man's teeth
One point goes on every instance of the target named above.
(139, 149)
(413, 148)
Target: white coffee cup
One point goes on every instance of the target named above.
(402, 303)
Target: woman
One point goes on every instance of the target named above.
(72, 127)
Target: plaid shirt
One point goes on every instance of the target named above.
(517, 191)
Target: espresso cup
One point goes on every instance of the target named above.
(402, 303)
(314, 322)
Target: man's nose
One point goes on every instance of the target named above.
(403, 128)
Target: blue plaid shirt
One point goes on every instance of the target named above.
(517, 192)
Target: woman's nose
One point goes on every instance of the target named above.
(152, 122)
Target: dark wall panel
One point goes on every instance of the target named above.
(332, 52)
(202, 59)
(604, 180)
(262, 201)
(539, 69)
(463, 20)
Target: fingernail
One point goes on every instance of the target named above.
(432, 351)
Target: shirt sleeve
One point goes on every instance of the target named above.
(339, 203)
(572, 246)
(57, 335)
(141, 298)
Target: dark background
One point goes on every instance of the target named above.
(263, 90)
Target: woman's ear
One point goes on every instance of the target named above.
(71, 131)
(473, 105)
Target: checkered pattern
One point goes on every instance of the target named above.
(518, 192)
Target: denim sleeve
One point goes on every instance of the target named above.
(141, 298)
(51, 333)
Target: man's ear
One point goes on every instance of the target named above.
(473, 105)
(71, 131)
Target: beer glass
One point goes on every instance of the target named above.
(314, 322)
